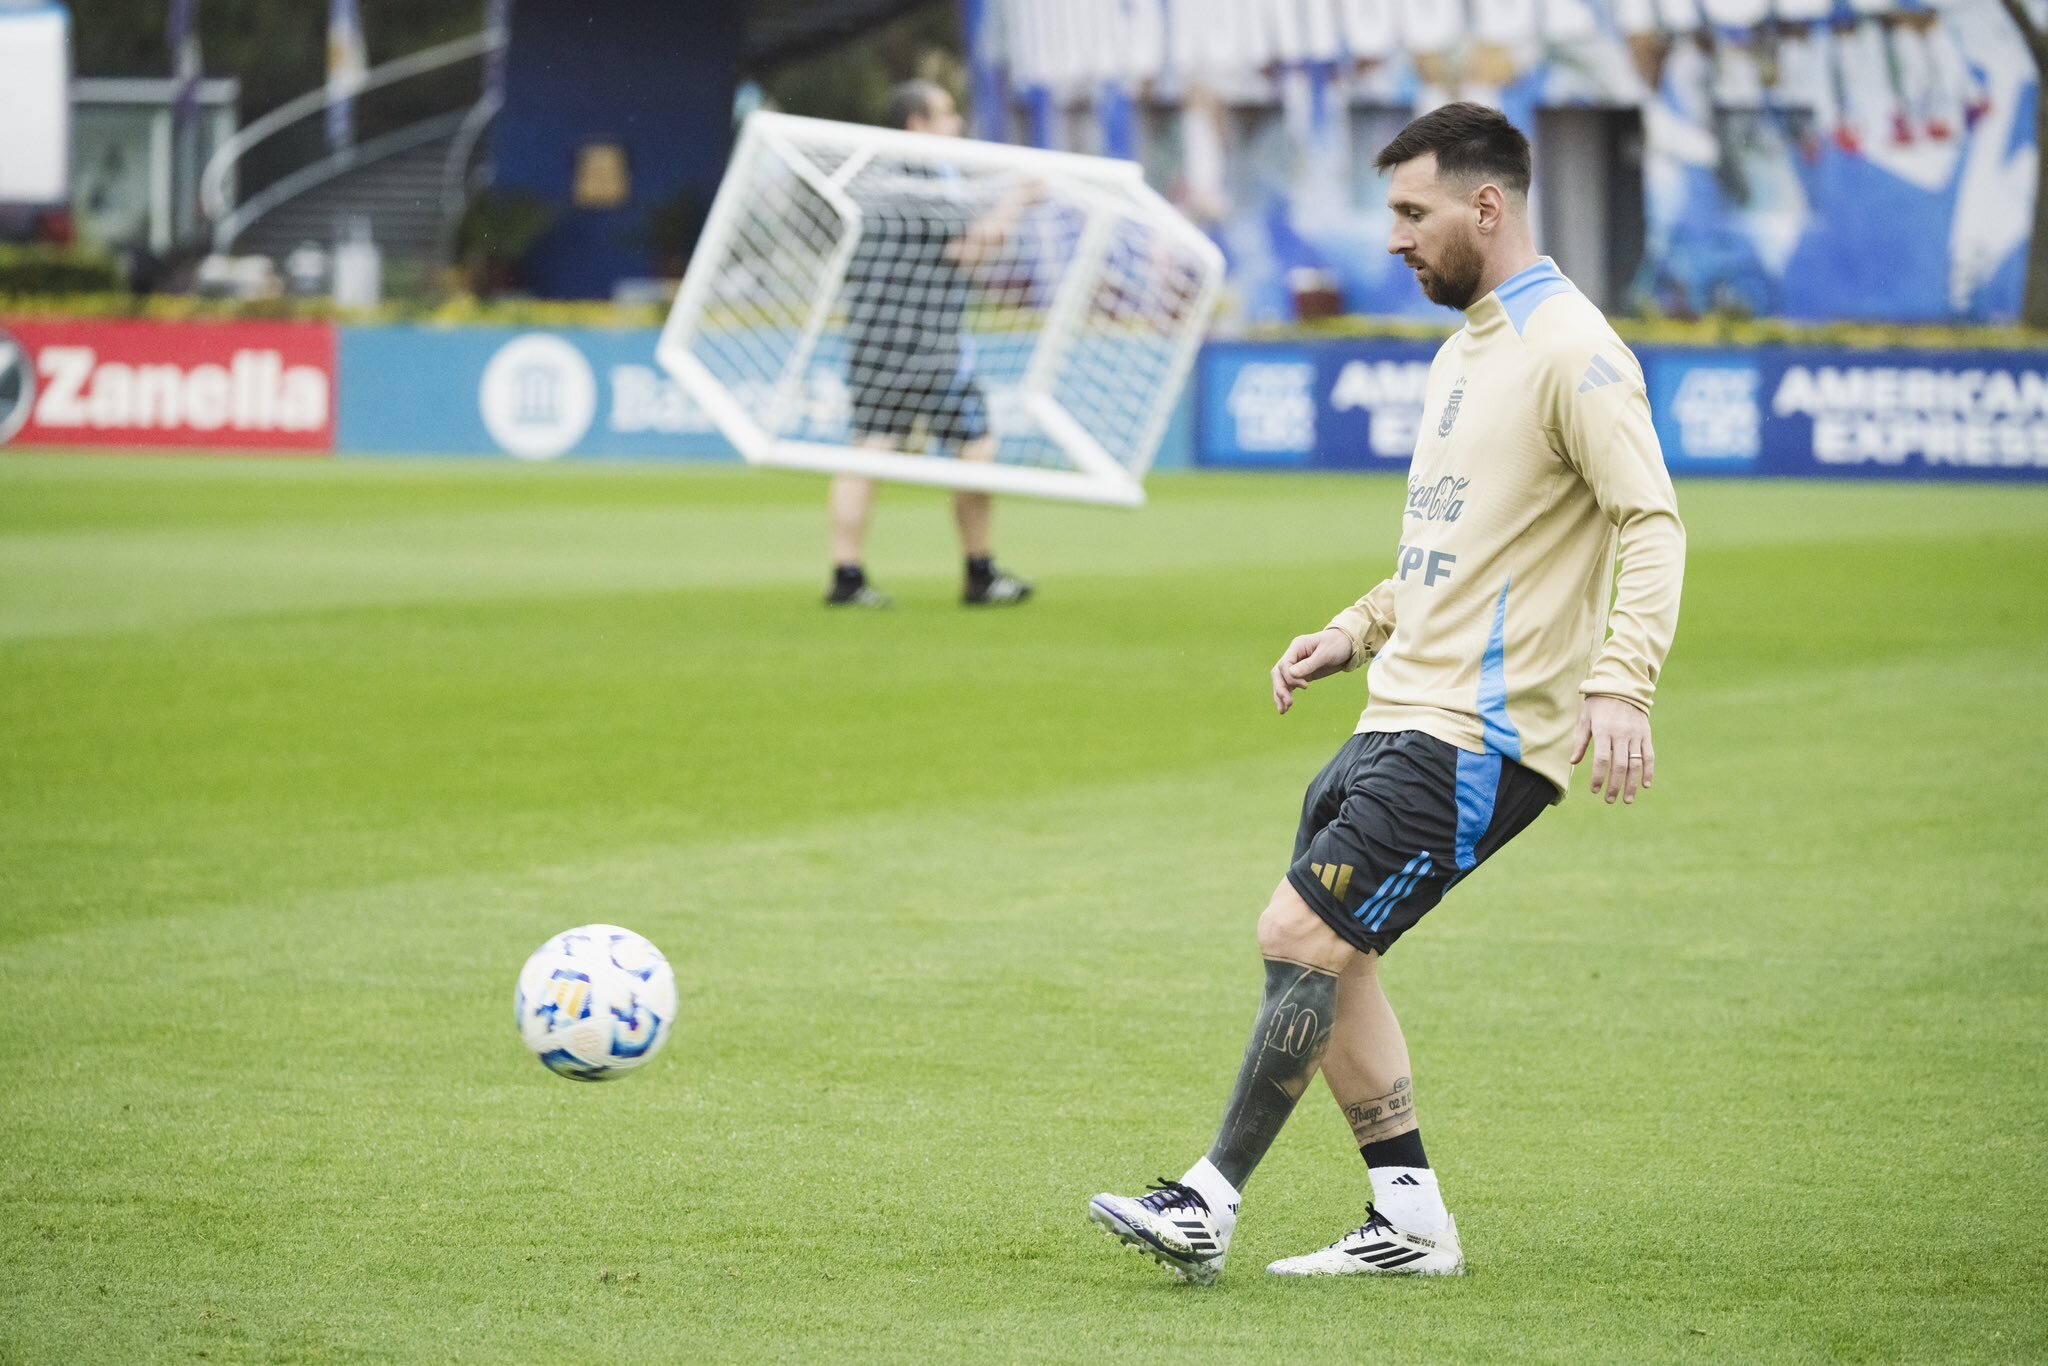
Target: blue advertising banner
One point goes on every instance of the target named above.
(545, 395)
(536, 395)
(1800, 411)
(1321, 405)
(1777, 411)
(1332, 406)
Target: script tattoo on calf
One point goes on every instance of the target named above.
(1288, 1041)
(1382, 1116)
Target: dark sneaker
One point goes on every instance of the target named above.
(1001, 590)
(858, 595)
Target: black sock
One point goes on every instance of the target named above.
(1402, 1150)
(981, 568)
(849, 575)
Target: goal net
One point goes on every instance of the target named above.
(940, 310)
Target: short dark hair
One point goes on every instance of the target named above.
(1471, 142)
(912, 99)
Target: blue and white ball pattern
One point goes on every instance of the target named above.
(596, 1002)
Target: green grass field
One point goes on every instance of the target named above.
(298, 761)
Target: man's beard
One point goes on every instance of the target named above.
(1454, 277)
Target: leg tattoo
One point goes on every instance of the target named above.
(1287, 1044)
(1382, 1116)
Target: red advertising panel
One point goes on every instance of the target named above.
(186, 386)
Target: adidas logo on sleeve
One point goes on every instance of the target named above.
(1599, 375)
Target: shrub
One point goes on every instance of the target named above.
(41, 269)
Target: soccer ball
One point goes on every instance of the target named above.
(596, 1002)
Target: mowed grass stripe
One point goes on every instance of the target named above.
(913, 967)
(961, 906)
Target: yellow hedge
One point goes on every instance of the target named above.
(457, 312)
(464, 311)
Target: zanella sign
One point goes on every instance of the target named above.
(131, 385)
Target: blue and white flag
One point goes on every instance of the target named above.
(185, 63)
(347, 65)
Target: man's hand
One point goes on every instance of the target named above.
(1307, 659)
(1618, 733)
(985, 236)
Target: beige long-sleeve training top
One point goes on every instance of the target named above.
(1536, 465)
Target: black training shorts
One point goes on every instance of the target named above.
(1395, 820)
(890, 396)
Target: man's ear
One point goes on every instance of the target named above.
(1489, 207)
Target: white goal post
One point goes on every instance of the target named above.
(940, 310)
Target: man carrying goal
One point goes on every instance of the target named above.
(911, 360)
(1536, 466)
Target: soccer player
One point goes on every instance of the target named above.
(908, 287)
(1497, 666)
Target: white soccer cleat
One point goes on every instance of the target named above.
(1173, 1226)
(1377, 1248)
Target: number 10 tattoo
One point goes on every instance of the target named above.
(1288, 1041)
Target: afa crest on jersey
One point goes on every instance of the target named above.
(1443, 427)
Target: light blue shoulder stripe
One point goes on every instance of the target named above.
(1501, 735)
(1520, 293)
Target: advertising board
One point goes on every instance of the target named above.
(529, 394)
(562, 393)
(1799, 412)
(1780, 411)
(127, 385)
